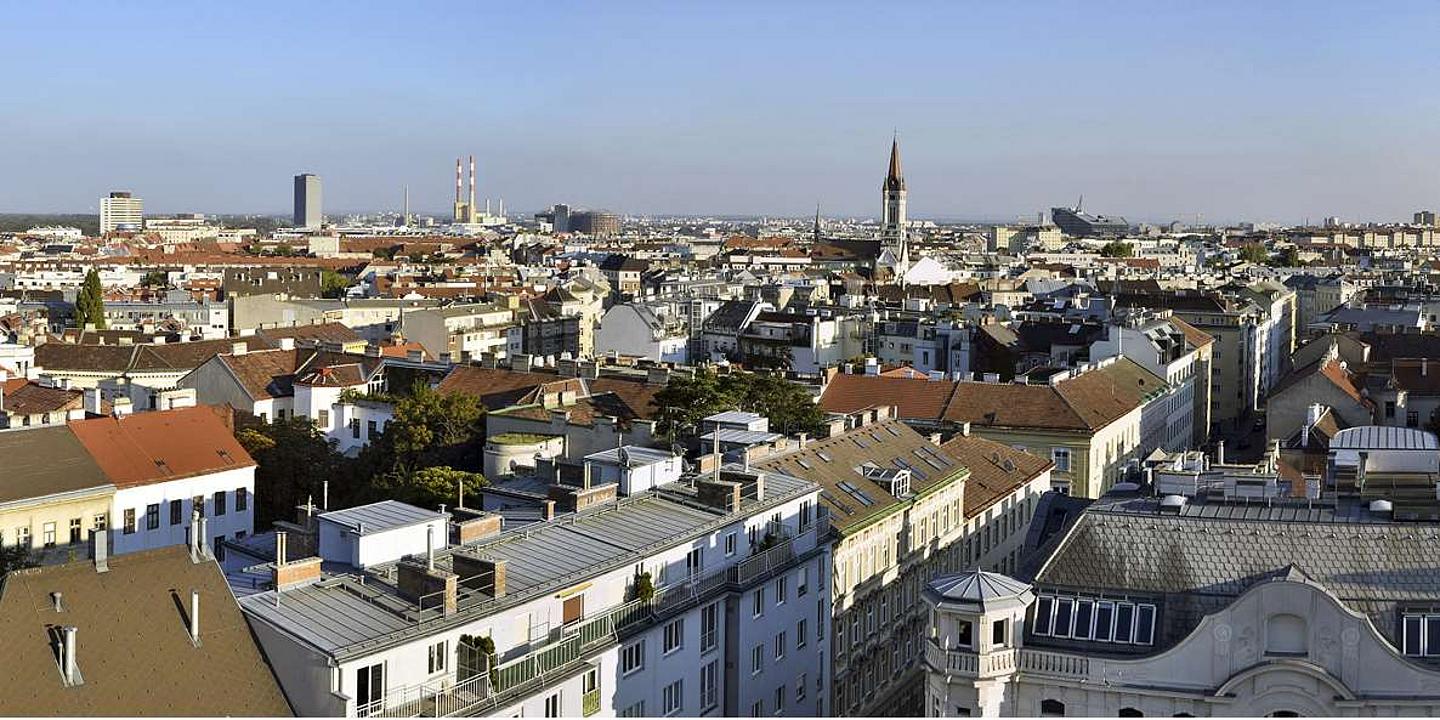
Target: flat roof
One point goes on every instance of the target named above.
(381, 516)
(741, 437)
(635, 456)
(345, 617)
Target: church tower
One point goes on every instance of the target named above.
(893, 225)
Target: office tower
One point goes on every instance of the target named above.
(120, 211)
(307, 201)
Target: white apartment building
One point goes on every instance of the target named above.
(736, 624)
(168, 468)
(1178, 353)
(121, 211)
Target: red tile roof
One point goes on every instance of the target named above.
(913, 399)
(152, 447)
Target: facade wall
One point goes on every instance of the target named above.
(233, 523)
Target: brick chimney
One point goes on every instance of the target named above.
(482, 574)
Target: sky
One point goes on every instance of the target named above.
(1271, 111)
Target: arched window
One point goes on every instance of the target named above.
(1284, 713)
(1052, 708)
(1131, 712)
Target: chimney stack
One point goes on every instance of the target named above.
(58, 598)
(457, 181)
(430, 548)
(470, 209)
(67, 656)
(281, 539)
(101, 539)
(195, 617)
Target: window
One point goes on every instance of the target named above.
(781, 588)
(632, 657)
(1390, 408)
(369, 689)
(674, 636)
(47, 534)
(1130, 712)
(219, 503)
(802, 586)
(672, 698)
(801, 637)
(552, 706)
(323, 419)
(709, 627)
(709, 685)
(1104, 621)
(355, 428)
(729, 544)
(197, 504)
(242, 499)
(780, 694)
(757, 659)
(694, 561)
(22, 537)
(437, 657)
(218, 545)
(757, 709)
(964, 635)
(74, 530)
(636, 710)
(1063, 617)
(800, 688)
(177, 510)
(780, 645)
(130, 521)
(757, 604)
(99, 523)
(998, 634)
(1412, 418)
(1084, 616)
(1044, 606)
(1052, 708)
(1089, 619)
(152, 516)
(1061, 456)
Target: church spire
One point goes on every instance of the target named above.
(895, 179)
(817, 222)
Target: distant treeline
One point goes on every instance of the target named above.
(90, 224)
(17, 222)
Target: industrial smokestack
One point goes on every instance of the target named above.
(471, 207)
(457, 181)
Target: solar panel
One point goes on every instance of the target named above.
(856, 493)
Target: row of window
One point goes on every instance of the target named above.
(218, 505)
(1112, 621)
(48, 532)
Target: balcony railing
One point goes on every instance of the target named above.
(578, 639)
(968, 663)
(590, 703)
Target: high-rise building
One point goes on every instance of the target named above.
(120, 211)
(1425, 217)
(1075, 222)
(307, 201)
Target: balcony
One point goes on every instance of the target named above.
(968, 663)
(590, 703)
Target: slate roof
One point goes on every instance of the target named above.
(1209, 554)
(133, 646)
(977, 588)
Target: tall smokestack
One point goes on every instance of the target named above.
(471, 206)
(405, 217)
(457, 181)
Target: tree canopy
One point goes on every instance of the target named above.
(333, 284)
(1254, 253)
(90, 302)
(294, 458)
(686, 401)
(1118, 249)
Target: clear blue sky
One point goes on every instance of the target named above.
(1243, 110)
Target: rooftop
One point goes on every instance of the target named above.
(381, 516)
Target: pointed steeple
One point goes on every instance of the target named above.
(817, 222)
(895, 179)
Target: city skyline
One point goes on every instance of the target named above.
(1278, 113)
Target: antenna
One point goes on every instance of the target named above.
(1080, 204)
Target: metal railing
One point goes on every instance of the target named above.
(590, 703)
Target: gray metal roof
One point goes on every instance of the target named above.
(1383, 437)
(381, 516)
(344, 617)
(977, 589)
(634, 456)
(741, 437)
(734, 416)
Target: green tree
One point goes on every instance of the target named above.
(293, 460)
(431, 486)
(686, 401)
(333, 284)
(1254, 253)
(429, 428)
(1117, 249)
(15, 557)
(1289, 257)
(90, 302)
(156, 279)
